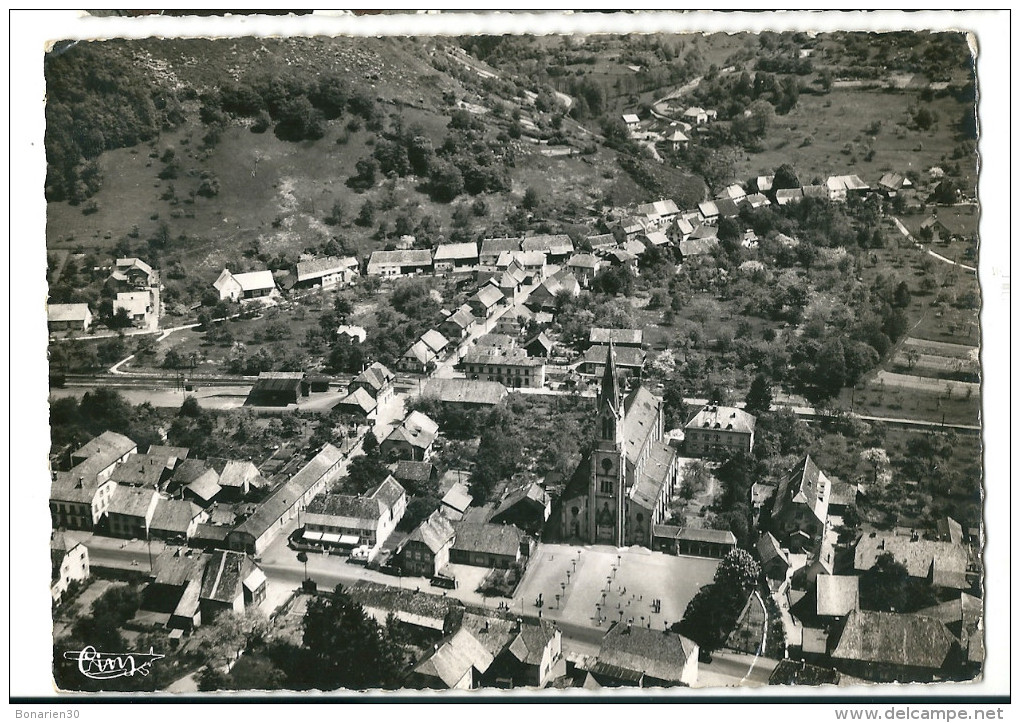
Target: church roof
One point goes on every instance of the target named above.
(609, 391)
(640, 420)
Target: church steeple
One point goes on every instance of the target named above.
(609, 391)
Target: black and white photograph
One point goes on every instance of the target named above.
(445, 354)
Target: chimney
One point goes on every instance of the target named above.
(81, 482)
(517, 625)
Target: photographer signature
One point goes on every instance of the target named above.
(106, 666)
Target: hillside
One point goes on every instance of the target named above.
(246, 151)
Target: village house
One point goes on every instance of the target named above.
(539, 346)
(198, 480)
(719, 431)
(142, 470)
(524, 653)
(390, 264)
(415, 475)
(887, 647)
(510, 283)
(836, 596)
(839, 186)
(327, 272)
(69, 562)
(487, 545)
(347, 521)
(358, 403)
(679, 229)
(556, 247)
(100, 456)
(455, 663)
(948, 228)
(800, 506)
(963, 617)
(631, 655)
(775, 561)
(377, 380)
(256, 533)
(418, 359)
(426, 551)
(231, 582)
(464, 394)
(348, 334)
(458, 324)
(892, 183)
(709, 211)
(456, 494)
(659, 213)
(68, 317)
(243, 287)
(619, 338)
(492, 248)
(940, 563)
(602, 243)
(696, 115)
(236, 479)
(80, 497)
(527, 506)
(585, 268)
(786, 196)
(512, 368)
(176, 521)
(132, 273)
(631, 121)
(412, 439)
(484, 301)
(676, 140)
(455, 258)
(532, 263)
(623, 486)
(544, 297)
(170, 456)
(733, 192)
(130, 512)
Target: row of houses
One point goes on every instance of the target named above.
(324, 272)
(532, 253)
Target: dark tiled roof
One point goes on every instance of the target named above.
(660, 655)
(413, 471)
(465, 391)
(434, 532)
(488, 539)
(894, 639)
(174, 515)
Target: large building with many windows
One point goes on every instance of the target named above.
(512, 368)
(719, 431)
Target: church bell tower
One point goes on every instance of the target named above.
(608, 462)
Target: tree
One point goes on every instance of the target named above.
(370, 444)
(888, 587)
(348, 648)
(445, 182)
(785, 177)
(901, 296)
(302, 557)
(531, 199)
(738, 572)
(759, 396)
(712, 613)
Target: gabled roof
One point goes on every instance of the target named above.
(166, 452)
(768, 549)
(733, 192)
(630, 118)
(190, 470)
(458, 497)
(462, 318)
(786, 195)
(635, 649)
(140, 470)
(556, 244)
(647, 486)
(417, 430)
(353, 511)
(541, 339)
(629, 337)
(665, 207)
(946, 562)
(465, 391)
(889, 638)
(255, 280)
(626, 356)
(68, 312)
(413, 471)
(495, 246)
(354, 332)
(699, 534)
(530, 493)
(420, 352)
(317, 268)
(376, 376)
(807, 485)
(708, 209)
(131, 501)
(226, 574)
(602, 240)
(656, 238)
(174, 515)
(434, 340)
(388, 492)
(107, 446)
(358, 398)
(124, 264)
(468, 250)
(583, 261)
(730, 419)
(488, 295)
(837, 595)
(238, 473)
(728, 208)
(435, 532)
(451, 660)
(286, 496)
(488, 539)
(406, 257)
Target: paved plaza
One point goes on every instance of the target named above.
(607, 584)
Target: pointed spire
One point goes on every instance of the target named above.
(610, 389)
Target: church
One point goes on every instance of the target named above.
(623, 486)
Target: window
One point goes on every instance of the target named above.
(606, 486)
